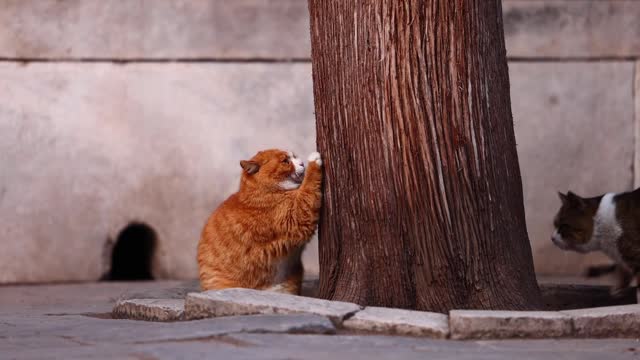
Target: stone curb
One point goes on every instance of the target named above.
(598, 322)
(229, 302)
(481, 324)
(149, 309)
(399, 322)
(618, 321)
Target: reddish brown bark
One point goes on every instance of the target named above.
(423, 198)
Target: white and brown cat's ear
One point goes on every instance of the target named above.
(563, 197)
(249, 167)
(575, 198)
(571, 199)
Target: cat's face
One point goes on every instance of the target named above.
(573, 223)
(274, 168)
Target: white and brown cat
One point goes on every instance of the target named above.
(608, 223)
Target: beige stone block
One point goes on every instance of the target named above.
(568, 28)
(610, 321)
(279, 29)
(231, 302)
(400, 322)
(154, 29)
(573, 124)
(149, 309)
(88, 148)
(481, 324)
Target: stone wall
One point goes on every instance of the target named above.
(113, 112)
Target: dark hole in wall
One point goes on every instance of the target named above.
(132, 254)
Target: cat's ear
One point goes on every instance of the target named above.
(249, 167)
(576, 200)
(563, 197)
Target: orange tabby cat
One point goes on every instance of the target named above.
(255, 238)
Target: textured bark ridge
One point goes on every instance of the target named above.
(423, 200)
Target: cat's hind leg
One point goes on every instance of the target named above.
(637, 288)
(293, 283)
(624, 277)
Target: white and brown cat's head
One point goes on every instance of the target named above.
(574, 222)
(273, 168)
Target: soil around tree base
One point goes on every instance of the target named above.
(559, 297)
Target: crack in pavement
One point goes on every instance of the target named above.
(74, 340)
(222, 338)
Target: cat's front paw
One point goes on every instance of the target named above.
(315, 157)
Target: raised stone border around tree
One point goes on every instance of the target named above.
(621, 321)
(149, 309)
(481, 324)
(606, 321)
(249, 302)
(399, 322)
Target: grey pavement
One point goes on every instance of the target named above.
(70, 322)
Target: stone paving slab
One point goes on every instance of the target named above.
(481, 324)
(90, 330)
(155, 29)
(569, 28)
(610, 321)
(229, 302)
(321, 347)
(76, 298)
(279, 29)
(400, 322)
(397, 347)
(149, 309)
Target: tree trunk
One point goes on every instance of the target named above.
(423, 200)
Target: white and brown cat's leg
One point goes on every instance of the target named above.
(623, 279)
(638, 289)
